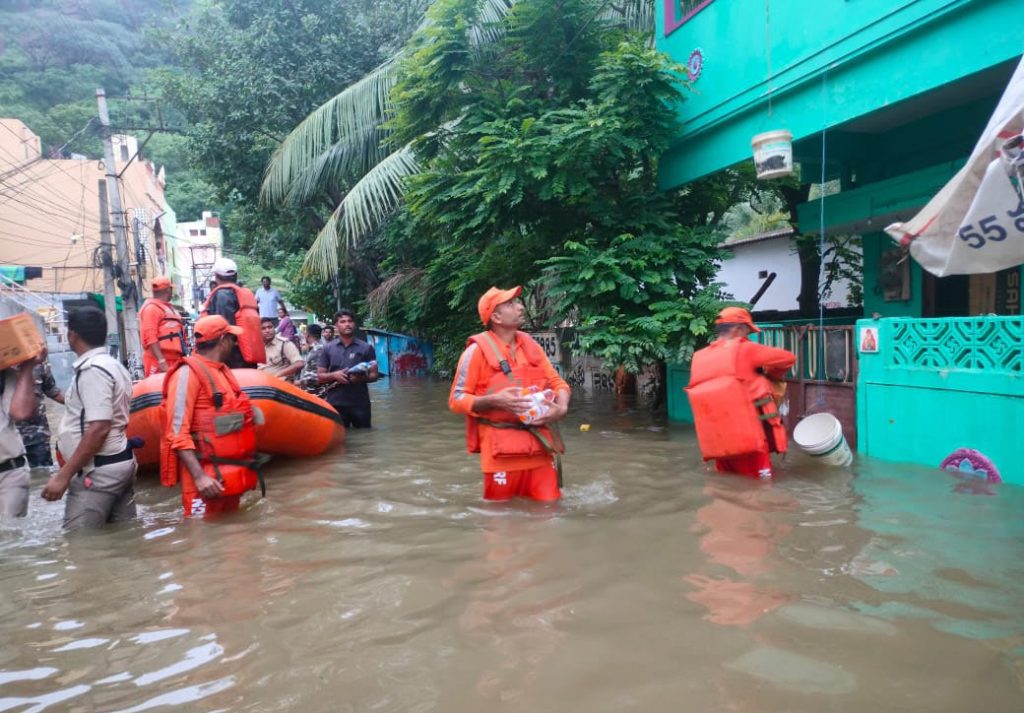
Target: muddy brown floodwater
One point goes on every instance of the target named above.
(376, 579)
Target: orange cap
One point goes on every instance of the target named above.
(213, 327)
(494, 297)
(161, 283)
(736, 315)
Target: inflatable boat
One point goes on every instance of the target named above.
(296, 423)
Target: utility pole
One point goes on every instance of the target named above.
(132, 344)
(107, 259)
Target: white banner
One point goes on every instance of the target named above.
(975, 224)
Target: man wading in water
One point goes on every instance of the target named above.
(491, 389)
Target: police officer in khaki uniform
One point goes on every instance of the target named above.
(17, 402)
(99, 467)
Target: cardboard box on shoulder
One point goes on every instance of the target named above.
(20, 340)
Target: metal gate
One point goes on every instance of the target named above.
(824, 377)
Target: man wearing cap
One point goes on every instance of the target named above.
(209, 438)
(237, 305)
(163, 331)
(347, 391)
(98, 468)
(734, 389)
(496, 373)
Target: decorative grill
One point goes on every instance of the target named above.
(689, 8)
(990, 344)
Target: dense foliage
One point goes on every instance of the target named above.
(55, 53)
(249, 71)
(536, 133)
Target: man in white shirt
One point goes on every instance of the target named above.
(268, 299)
(283, 358)
(98, 470)
(17, 402)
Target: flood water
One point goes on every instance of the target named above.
(377, 579)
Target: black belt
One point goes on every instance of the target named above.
(13, 463)
(126, 454)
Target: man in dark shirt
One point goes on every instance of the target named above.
(347, 392)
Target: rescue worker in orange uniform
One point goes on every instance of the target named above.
(237, 305)
(734, 388)
(209, 442)
(496, 368)
(163, 331)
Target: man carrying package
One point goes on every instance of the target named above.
(17, 402)
(498, 374)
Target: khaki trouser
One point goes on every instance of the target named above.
(109, 497)
(14, 492)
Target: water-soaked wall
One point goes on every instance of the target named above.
(928, 387)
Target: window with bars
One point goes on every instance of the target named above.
(679, 12)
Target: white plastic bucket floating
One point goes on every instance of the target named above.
(821, 437)
(773, 154)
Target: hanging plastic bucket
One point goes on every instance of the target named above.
(773, 154)
(821, 437)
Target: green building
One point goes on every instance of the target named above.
(893, 94)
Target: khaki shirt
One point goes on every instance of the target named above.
(10, 440)
(281, 353)
(103, 388)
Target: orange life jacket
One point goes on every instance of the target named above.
(511, 437)
(170, 331)
(733, 415)
(250, 343)
(224, 433)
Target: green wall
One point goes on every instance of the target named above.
(937, 385)
(843, 60)
(874, 301)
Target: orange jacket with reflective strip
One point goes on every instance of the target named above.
(205, 410)
(479, 373)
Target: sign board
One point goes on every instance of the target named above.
(552, 347)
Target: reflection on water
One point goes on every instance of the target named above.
(377, 579)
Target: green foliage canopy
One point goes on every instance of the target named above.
(538, 151)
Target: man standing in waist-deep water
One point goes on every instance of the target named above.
(496, 368)
(735, 398)
(347, 391)
(99, 466)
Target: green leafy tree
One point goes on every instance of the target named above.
(351, 139)
(533, 133)
(250, 71)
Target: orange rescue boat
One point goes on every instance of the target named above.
(297, 424)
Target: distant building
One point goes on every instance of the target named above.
(50, 224)
(51, 230)
(199, 243)
(754, 259)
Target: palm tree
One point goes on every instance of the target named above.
(346, 141)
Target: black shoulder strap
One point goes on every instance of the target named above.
(78, 392)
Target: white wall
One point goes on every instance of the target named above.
(740, 275)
